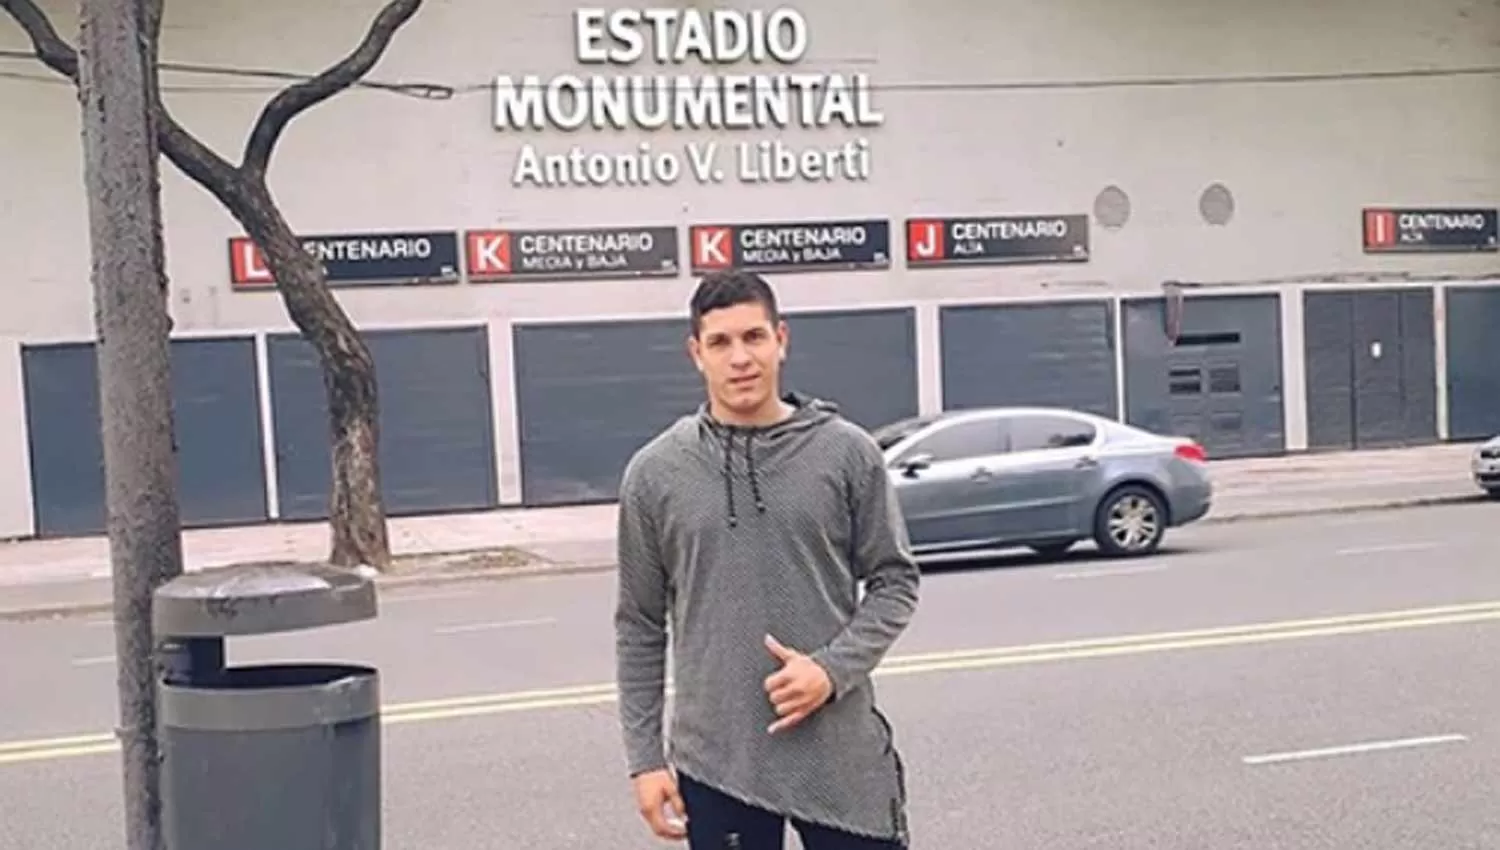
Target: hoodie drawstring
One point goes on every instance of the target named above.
(760, 504)
(754, 479)
(729, 477)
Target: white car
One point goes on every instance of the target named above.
(1485, 465)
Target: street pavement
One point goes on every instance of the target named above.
(1301, 683)
(67, 575)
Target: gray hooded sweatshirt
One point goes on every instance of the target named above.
(727, 535)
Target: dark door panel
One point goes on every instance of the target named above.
(1379, 409)
(1418, 367)
(436, 432)
(1371, 368)
(1218, 382)
(216, 412)
(1473, 331)
(1060, 354)
(1328, 331)
(590, 394)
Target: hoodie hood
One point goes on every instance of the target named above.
(748, 452)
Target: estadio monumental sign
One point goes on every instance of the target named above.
(770, 97)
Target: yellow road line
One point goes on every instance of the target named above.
(57, 753)
(519, 696)
(1247, 629)
(1006, 659)
(74, 741)
(20, 752)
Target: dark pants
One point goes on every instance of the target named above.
(713, 819)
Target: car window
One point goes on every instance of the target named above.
(955, 441)
(889, 435)
(1033, 432)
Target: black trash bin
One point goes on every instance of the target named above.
(281, 755)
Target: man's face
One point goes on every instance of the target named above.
(739, 351)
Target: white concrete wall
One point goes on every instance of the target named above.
(959, 138)
(1300, 158)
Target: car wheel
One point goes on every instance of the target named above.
(1493, 493)
(1053, 550)
(1130, 522)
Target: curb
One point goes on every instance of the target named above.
(54, 612)
(1335, 510)
(491, 574)
(415, 579)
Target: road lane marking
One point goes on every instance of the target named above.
(1353, 749)
(1492, 609)
(980, 659)
(499, 624)
(578, 696)
(93, 661)
(54, 743)
(1389, 547)
(59, 753)
(1105, 572)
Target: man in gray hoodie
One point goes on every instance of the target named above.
(745, 530)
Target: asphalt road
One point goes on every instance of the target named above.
(1324, 682)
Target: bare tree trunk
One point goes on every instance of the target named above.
(116, 81)
(356, 506)
(357, 516)
(359, 530)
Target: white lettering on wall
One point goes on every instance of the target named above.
(586, 243)
(578, 167)
(355, 249)
(720, 36)
(1442, 221)
(801, 237)
(254, 266)
(674, 100)
(732, 102)
(1040, 228)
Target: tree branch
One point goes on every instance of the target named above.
(300, 97)
(49, 46)
(191, 156)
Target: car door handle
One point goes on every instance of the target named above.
(1086, 463)
(981, 474)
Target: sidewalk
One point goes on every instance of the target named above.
(72, 573)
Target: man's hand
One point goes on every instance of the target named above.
(798, 689)
(655, 793)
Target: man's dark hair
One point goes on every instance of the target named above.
(729, 288)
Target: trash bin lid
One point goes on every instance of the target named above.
(256, 599)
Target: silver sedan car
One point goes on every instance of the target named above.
(1486, 466)
(1042, 478)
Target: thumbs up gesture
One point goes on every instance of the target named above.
(798, 689)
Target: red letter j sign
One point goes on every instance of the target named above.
(924, 241)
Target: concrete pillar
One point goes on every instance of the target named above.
(929, 359)
(505, 411)
(1293, 369)
(17, 511)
